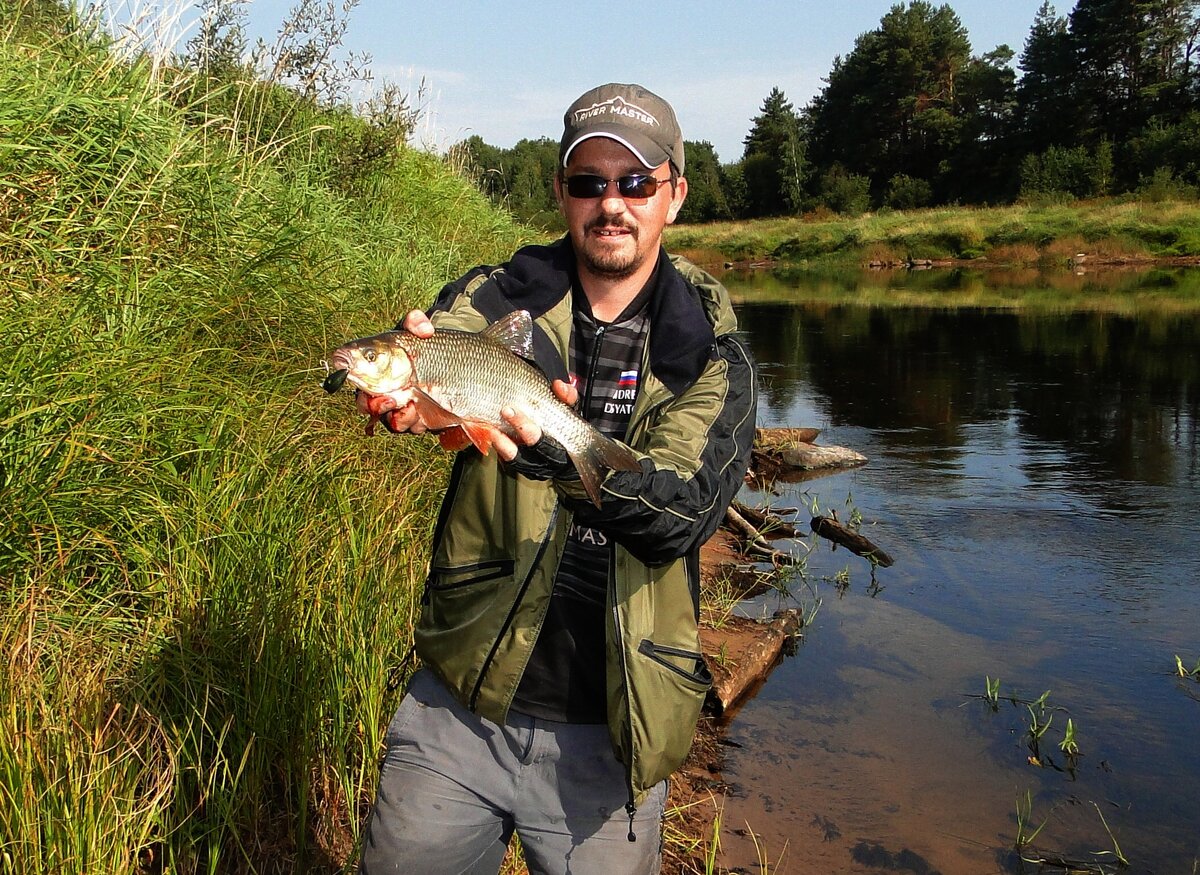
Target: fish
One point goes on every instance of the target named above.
(460, 380)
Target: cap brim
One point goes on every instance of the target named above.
(643, 148)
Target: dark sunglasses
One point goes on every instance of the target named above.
(639, 185)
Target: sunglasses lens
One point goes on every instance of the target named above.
(637, 186)
(586, 186)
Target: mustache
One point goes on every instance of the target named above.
(604, 224)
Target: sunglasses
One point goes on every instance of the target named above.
(636, 185)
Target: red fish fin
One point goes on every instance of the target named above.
(480, 435)
(434, 415)
(437, 417)
(453, 439)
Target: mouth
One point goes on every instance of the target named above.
(611, 232)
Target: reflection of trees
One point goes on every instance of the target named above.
(1119, 394)
(777, 338)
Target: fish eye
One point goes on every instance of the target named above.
(369, 355)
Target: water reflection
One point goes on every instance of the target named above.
(1119, 394)
(1034, 471)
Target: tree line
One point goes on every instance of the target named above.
(1107, 102)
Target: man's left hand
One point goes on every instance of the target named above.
(527, 431)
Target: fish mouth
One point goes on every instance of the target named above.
(334, 381)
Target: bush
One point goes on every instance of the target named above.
(1077, 172)
(1174, 147)
(846, 193)
(1163, 185)
(906, 193)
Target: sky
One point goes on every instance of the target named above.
(508, 71)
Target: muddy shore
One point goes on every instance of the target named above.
(740, 652)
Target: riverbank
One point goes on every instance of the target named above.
(1109, 231)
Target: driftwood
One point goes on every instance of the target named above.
(774, 438)
(831, 529)
(810, 456)
(788, 455)
(737, 671)
(769, 525)
(756, 545)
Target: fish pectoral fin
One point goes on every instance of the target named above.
(436, 417)
(480, 435)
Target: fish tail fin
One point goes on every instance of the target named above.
(598, 458)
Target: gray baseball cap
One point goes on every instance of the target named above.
(638, 119)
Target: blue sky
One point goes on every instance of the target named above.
(508, 70)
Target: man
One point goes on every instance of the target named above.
(562, 671)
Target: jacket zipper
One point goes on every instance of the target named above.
(585, 410)
(512, 612)
(593, 364)
(630, 808)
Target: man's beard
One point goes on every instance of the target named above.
(607, 264)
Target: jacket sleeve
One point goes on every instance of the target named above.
(695, 457)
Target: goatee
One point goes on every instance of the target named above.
(610, 265)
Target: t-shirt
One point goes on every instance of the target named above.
(565, 678)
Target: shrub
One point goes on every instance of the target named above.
(1076, 172)
(906, 193)
(1164, 185)
(846, 193)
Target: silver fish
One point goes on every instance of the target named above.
(462, 379)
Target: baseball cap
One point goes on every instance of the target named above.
(635, 117)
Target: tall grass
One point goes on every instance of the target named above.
(208, 572)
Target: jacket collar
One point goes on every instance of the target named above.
(682, 341)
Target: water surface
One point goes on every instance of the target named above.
(1033, 471)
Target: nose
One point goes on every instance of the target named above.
(611, 201)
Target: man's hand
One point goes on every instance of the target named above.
(528, 431)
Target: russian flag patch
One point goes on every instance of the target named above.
(628, 379)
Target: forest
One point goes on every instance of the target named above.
(1102, 101)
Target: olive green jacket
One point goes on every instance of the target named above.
(502, 528)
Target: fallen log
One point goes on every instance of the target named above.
(810, 456)
(788, 455)
(754, 543)
(832, 530)
(771, 526)
(743, 652)
(773, 438)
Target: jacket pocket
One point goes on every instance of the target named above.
(442, 579)
(666, 691)
(687, 664)
(462, 610)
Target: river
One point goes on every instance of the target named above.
(1034, 471)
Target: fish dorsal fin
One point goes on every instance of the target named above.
(514, 332)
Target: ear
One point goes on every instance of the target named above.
(677, 198)
(558, 191)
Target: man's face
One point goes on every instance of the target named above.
(612, 235)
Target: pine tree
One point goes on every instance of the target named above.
(892, 106)
(1048, 112)
(774, 162)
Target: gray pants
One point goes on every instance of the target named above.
(454, 787)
